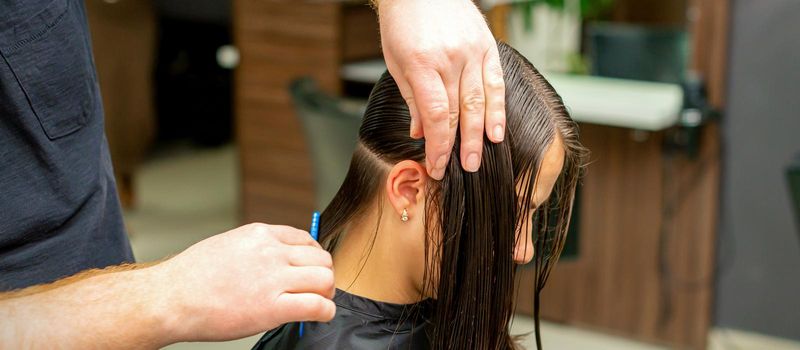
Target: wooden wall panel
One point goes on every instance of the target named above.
(709, 27)
(615, 273)
(360, 33)
(617, 284)
(279, 41)
(692, 247)
(652, 12)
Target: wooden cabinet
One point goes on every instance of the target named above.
(123, 39)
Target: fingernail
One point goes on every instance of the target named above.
(411, 128)
(498, 133)
(473, 162)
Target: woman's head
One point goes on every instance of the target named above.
(464, 234)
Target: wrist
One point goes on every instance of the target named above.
(159, 306)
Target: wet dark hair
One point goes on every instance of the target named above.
(473, 216)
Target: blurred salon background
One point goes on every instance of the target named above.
(687, 230)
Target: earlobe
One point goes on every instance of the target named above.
(405, 185)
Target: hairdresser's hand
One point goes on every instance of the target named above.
(445, 61)
(245, 281)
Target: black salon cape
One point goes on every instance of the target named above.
(360, 323)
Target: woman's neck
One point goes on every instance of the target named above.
(374, 261)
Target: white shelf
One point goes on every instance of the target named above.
(364, 71)
(616, 102)
(619, 102)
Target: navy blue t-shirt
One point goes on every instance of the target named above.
(59, 211)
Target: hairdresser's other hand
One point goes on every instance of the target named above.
(245, 281)
(445, 61)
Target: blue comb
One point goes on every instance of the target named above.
(314, 231)
(315, 226)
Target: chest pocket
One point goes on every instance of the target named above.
(50, 57)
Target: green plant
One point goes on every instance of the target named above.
(590, 9)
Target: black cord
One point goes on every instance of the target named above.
(674, 194)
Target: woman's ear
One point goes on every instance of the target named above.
(405, 188)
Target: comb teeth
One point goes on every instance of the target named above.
(315, 226)
(314, 231)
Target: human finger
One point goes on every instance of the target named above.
(291, 236)
(299, 256)
(434, 110)
(308, 279)
(472, 103)
(415, 129)
(495, 91)
(291, 307)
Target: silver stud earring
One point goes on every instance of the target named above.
(404, 216)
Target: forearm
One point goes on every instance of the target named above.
(228, 286)
(123, 309)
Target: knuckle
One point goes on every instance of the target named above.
(284, 256)
(327, 260)
(454, 119)
(420, 62)
(474, 102)
(260, 228)
(495, 82)
(438, 112)
(326, 277)
(438, 50)
(422, 57)
(453, 52)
